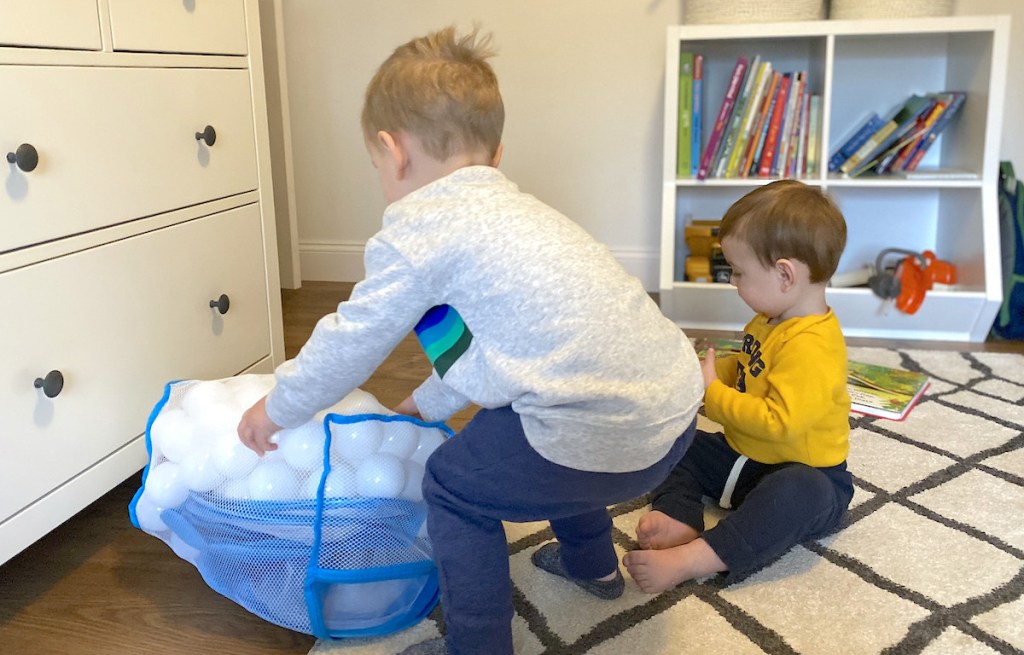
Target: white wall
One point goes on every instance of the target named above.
(583, 87)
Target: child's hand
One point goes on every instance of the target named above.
(708, 368)
(408, 407)
(256, 428)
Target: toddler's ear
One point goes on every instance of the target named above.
(786, 272)
(497, 155)
(394, 149)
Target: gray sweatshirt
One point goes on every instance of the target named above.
(551, 325)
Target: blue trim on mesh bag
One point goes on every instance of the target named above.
(149, 451)
(320, 579)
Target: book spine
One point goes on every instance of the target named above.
(732, 131)
(869, 147)
(784, 162)
(775, 124)
(724, 112)
(800, 165)
(940, 124)
(739, 152)
(813, 135)
(904, 154)
(757, 138)
(698, 114)
(852, 144)
(685, 123)
(916, 131)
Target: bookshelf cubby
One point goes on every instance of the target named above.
(859, 67)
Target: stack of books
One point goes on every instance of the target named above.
(896, 145)
(767, 124)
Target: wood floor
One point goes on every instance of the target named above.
(98, 586)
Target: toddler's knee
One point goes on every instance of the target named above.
(804, 480)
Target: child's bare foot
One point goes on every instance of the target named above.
(659, 570)
(657, 530)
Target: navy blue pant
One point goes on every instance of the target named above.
(776, 505)
(487, 474)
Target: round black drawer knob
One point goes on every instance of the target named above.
(26, 157)
(208, 135)
(221, 304)
(51, 384)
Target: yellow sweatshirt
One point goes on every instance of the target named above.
(784, 398)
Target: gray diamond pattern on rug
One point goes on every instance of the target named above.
(929, 560)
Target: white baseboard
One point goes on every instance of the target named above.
(342, 261)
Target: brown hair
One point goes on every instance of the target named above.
(787, 219)
(441, 89)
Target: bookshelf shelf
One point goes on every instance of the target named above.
(859, 67)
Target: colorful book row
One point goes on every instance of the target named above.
(897, 144)
(767, 124)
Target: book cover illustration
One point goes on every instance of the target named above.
(884, 391)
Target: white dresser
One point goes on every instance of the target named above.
(137, 237)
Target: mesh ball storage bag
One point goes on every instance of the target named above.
(326, 535)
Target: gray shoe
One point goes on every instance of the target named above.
(429, 647)
(549, 558)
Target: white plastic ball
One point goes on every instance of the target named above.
(216, 422)
(273, 481)
(380, 476)
(413, 489)
(202, 397)
(350, 602)
(183, 550)
(429, 441)
(166, 486)
(340, 483)
(400, 438)
(356, 441)
(173, 434)
(232, 458)
(248, 389)
(358, 402)
(199, 473)
(303, 447)
(148, 514)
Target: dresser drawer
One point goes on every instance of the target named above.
(119, 321)
(195, 26)
(125, 148)
(73, 24)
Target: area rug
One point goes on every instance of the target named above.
(929, 560)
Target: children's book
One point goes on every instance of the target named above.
(697, 119)
(958, 99)
(685, 124)
(707, 158)
(883, 391)
(902, 122)
(855, 141)
(735, 125)
(771, 141)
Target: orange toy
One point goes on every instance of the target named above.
(915, 274)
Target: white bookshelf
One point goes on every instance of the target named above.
(859, 67)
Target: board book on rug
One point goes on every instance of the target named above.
(884, 391)
(874, 389)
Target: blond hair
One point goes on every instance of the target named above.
(787, 219)
(440, 89)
